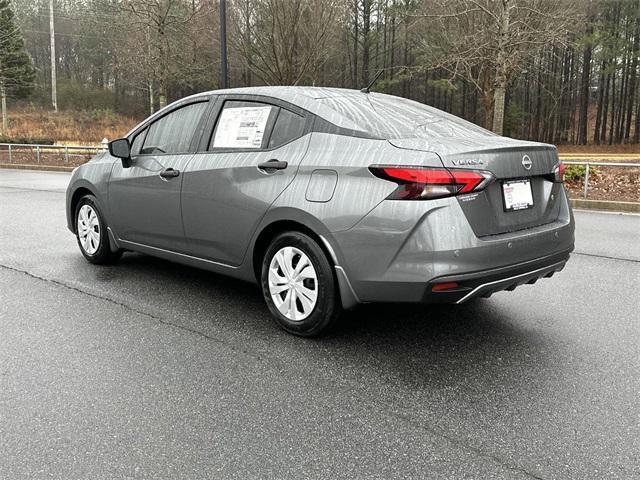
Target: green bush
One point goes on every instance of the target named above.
(573, 173)
(74, 96)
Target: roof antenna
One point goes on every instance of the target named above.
(367, 89)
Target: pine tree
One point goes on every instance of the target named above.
(16, 71)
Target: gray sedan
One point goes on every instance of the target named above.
(327, 198)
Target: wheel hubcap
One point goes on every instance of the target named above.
(88, 229)
(293, 283)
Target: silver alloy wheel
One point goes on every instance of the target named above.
(88, 229)
(293, 283)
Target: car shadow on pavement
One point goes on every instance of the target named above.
(473, 345)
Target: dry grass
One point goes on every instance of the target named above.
(68, 127)
(90, 127)
(627, 148)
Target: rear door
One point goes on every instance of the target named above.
(144, 199)
(251, 155)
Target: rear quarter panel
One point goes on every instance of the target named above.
(356, 191)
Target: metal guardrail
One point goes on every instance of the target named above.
(597, 164)
(66, 150)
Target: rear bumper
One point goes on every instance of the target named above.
(401, 249)
(487, 282)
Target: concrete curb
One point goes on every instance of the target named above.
(46, 168)
(606, 205)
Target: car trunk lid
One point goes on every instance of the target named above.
(507, 160)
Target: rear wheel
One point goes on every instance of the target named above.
(299, 286)
(91, 233)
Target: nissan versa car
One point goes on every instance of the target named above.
(327, 198)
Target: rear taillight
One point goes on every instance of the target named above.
(558, 172)
(417, 183)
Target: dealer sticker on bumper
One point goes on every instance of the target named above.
(517, 195)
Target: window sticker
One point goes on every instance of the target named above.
(241, 127)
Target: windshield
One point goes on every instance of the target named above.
(387, 116)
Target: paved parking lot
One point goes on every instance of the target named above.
(148, 369)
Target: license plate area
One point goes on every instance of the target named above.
(517, 195)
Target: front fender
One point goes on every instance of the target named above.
(94, 178)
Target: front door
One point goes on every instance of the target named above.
(144, 199)
(252, 156)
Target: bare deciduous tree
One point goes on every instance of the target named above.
(487, 42)
(289, 39)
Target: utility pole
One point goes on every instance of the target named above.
(52, 34)
(224, 78)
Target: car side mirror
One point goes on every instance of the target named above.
(121, 149)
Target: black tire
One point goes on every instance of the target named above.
(327, 308)
(103, 255)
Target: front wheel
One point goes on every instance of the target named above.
(299, 285)
(91, 233)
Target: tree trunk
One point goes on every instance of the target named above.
(355, 43)
(463, 107)
(605, 111)
(487, 103)
(613, 104)
(636, 135)
(54, 85)
(384, 38)
(500, 81)
(632, 80)
(498, 105)
(538, 109)
(366, 27)
(162, 97)
(247, 42)
(621, 103)
(584, 101)
(405, 82)
(152, 99)
(596, 133)
(393, 46)
(3, 101)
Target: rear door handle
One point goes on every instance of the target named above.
(273, 164)
(169, 173)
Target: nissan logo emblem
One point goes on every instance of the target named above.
(526, 162)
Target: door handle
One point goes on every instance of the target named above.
(169, 173)
(273, 164)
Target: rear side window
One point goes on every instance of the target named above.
(242, 125)
(173, 132)
(288, 127)
(387, 116)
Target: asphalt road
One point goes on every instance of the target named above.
(148, 369)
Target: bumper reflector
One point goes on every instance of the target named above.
(443, 287)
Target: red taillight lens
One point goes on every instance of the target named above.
(443, 287)
(558, 172)
(417, 183)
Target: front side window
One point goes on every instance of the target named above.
(136, 144)
(173, 132)
(242, 125)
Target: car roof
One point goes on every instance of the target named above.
(378, 114)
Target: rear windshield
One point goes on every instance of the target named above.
(387, 116)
